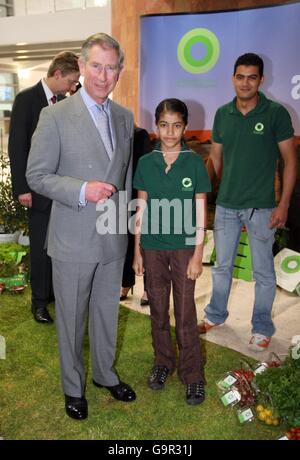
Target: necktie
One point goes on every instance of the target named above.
(103, 124)
(53, 99)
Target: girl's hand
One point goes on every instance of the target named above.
(194, 269)
(138, 265)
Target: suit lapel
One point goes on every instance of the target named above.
(41, 96)
(119, 130)
(118, 127)
(83, 119)
(84, 122)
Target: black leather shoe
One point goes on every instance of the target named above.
(121, 392)
(144, 302)
(125, 291)
(41, 315)
(76, 408)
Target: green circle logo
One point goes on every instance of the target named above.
(259, 127)
(291, 264)
(211, 45)
(187, 182)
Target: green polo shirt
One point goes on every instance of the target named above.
(250, 152)
(170, 218)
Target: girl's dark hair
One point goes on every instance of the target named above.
(172, 105)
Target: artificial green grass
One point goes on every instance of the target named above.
(32, 403)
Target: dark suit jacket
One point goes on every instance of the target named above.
(24, 118)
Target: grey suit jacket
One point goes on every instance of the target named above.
(75, 154)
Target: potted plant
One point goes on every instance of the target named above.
(281, 386)
(13, 267)
(13, 216)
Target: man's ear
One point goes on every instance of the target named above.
(57, 74)
(120, 71)
(81, 65)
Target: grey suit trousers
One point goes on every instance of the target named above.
(87, 291)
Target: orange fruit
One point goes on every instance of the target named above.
(259, 408)
(269, 421)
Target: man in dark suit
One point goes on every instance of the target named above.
(62, 76)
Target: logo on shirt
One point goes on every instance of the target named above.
(187, 184)
(259, 128)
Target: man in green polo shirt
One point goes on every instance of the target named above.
(249, 135)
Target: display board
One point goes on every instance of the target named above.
(191, 57)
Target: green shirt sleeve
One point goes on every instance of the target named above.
(282, 124)
(216, 131)
(138, 180)
(203, 184)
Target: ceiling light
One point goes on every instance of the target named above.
(23, 74)
(100, 2)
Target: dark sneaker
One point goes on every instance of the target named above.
(158, 377)
(195, 393)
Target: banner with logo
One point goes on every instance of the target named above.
(287, 268)
(191, 57)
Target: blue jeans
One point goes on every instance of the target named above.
(227, 228)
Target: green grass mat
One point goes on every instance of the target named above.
(32, 403)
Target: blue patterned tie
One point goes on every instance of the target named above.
(103, 123)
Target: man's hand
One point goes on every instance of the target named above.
(96, 191)
(278, 217)
(138, 264)
(25, 199)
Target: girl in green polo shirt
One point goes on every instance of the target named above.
(172, 183)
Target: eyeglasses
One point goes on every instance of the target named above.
(109, 68)
(72, 82)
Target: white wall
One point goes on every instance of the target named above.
(33, 77)
(47, 6)
(53, 27)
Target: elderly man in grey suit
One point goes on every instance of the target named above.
(88, 140)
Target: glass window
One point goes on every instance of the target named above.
(7, 87)
(69, 4)
(38, 7)
(50, 6)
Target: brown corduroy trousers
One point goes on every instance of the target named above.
(166, 268)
